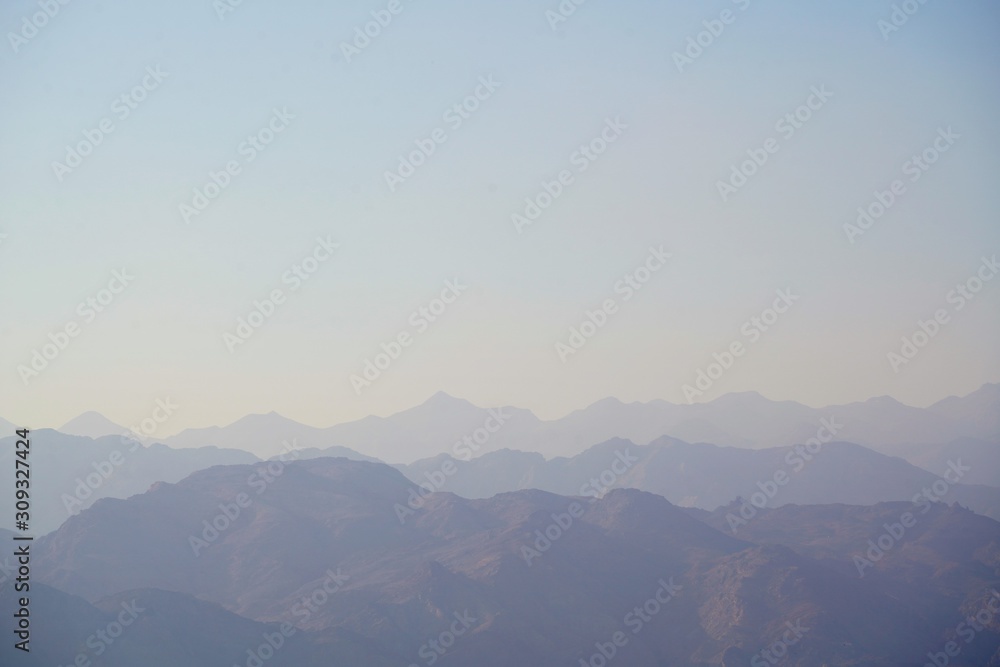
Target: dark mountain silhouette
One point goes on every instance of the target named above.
(164, 629)
(404, 580)
(707, 476)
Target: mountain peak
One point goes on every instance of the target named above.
(91, 424)
(610, 401)
(442, 398)
(442, 395)
(264, 417)
(884, 401)
(742, 398)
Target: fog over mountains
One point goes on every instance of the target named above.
(707, 476)
(675, 583)
(492, 452)
(369, 334)
(267, 538)
(738, 420)
(79, 470)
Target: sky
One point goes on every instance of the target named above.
(309, 119)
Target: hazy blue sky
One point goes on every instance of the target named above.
(655, 185)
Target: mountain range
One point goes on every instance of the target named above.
(71, 471)
(708, 476)
(82, 469)
(738, 420)
(746, 420)
(527, 577)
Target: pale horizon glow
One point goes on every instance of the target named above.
(338, 126)
(172, 427)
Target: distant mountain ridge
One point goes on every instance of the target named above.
(446, 426)
(737, 420)
(711, 599)
(708, 476)
(71, 472)
(744, 419)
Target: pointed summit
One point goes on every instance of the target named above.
(92, 425)
(442, 402)
(444, 398)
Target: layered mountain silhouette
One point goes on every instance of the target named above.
(983, 454)
(739, 420)
(83, 470)
(707, 476)
(746, 420)
(168, 629)
(71, 472)
(526, 577)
